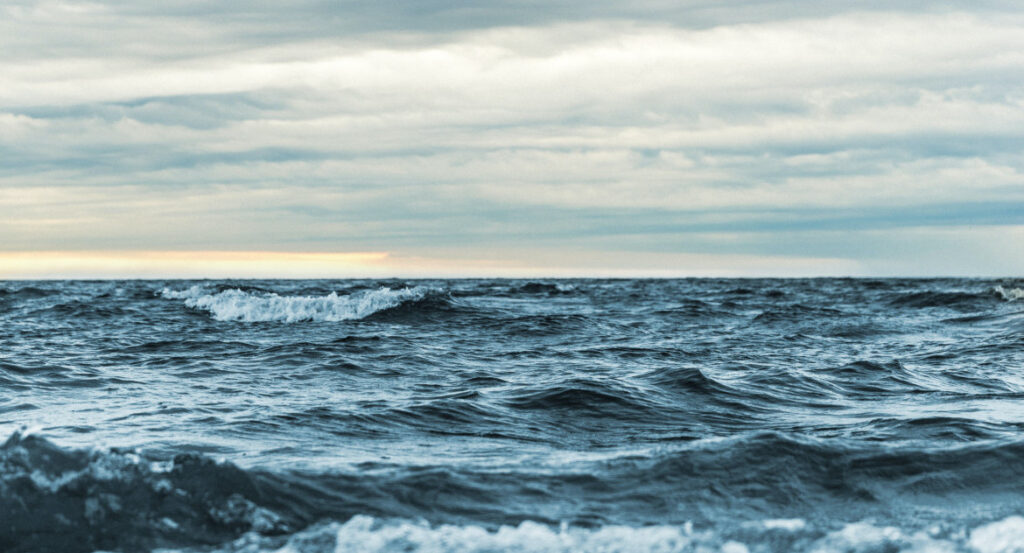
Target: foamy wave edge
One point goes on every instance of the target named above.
(370, 535)
(238, 305)
(1009, 294)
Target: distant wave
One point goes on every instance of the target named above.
(86, 309)
(796, 313)
(953, 300)
(260, 306)
(27, 292)
(548, 288)
(958, 300)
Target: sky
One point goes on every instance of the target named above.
(319, 138)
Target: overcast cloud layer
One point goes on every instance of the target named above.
(516, 137)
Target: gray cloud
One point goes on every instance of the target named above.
(793, 129)
(332, 18)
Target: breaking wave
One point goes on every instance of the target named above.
(1009, 294)
(260, 306)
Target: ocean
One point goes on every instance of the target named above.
(691, 415)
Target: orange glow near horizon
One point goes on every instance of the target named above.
(189, 264)
(31, 265)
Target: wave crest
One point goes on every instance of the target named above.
(1009, 294)
(56, 499)
(258, 306)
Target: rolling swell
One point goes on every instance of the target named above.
(953, 300)
(80, 500)
(72, 500)
(26, 292)
(582, 396)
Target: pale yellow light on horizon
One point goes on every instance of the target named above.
(190, 264)
(30, 265)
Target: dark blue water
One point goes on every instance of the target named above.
(819, 415)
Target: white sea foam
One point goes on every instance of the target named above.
(1009, 294)
(1004, 536)
(238, 305)
(366, 534)
(862, 537)
(787, 524)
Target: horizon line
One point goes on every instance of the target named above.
(534, 277)
(564, 263)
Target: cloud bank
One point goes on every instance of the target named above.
(515, 137)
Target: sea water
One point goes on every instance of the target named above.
(817, 415)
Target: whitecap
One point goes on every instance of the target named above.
(238, 305)
(1009, 294)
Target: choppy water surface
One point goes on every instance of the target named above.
(817, 415)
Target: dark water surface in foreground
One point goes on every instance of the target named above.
(819, 415)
